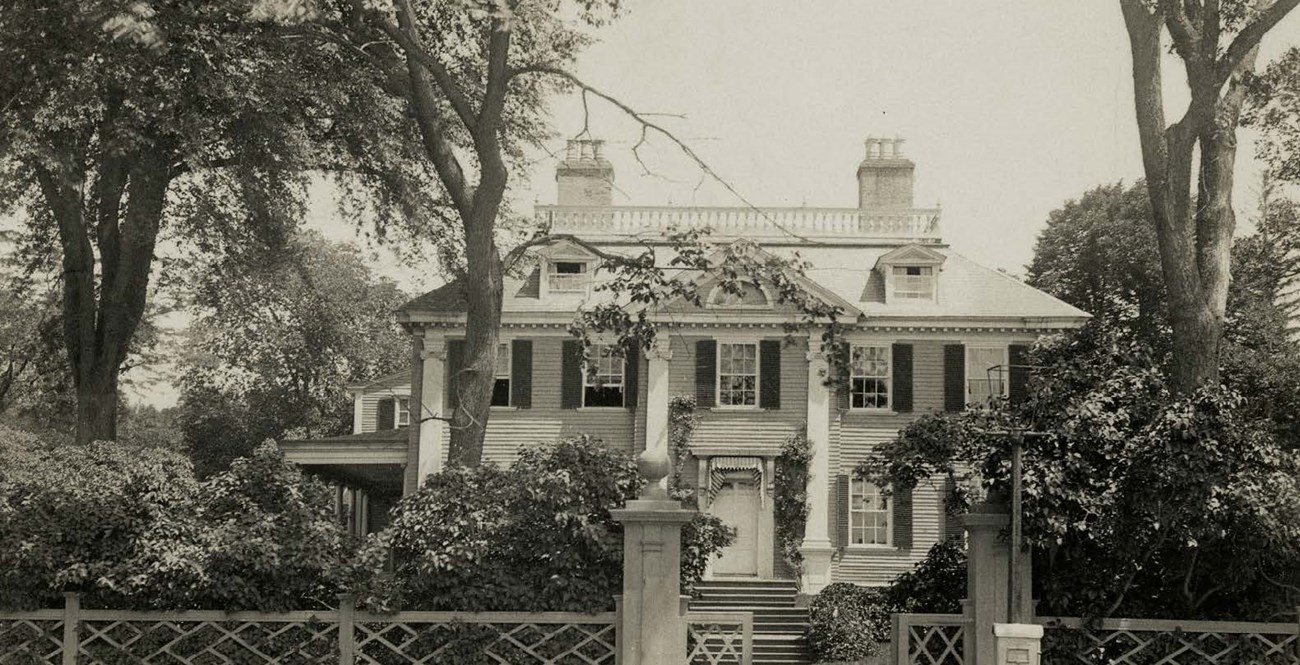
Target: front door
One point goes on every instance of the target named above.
(737, 505)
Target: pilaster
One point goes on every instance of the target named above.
(817, 548)
(433, 387)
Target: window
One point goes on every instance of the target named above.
(737, 374)
(501, 388)
(986, 371)
(869, 377)
(913, 282)
(602, 384)
(742, 294)
(566, 276)
(403, 411)
(868, 514)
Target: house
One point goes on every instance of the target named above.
(929, 329)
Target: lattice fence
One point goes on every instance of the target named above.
(1152, 642)
(713, 638)
(104, 637)
(929, 639)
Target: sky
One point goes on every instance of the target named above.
(1009, 108)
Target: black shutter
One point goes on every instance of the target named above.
(571, 374)
(903, 518)
(1018, 386)
(954, 377)
(952, 528)
(521, 373)
(706, 378)
(901, 400)
(387, 414)
(455, 362)
(841, 377)
(631, 376)
(841, 511)
(769, 380)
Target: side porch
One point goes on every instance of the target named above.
(365, 470)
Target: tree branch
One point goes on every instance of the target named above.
(408, 39)
(1249, 38)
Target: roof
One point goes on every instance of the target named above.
(966, 290)
(399, 377)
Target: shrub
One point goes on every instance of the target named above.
(790, 498)
(847, 622)
(537, 536)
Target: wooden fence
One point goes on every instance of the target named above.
(929, 639)
(1151, 641)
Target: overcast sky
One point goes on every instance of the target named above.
(1009, 108)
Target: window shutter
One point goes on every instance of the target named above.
(1018, 385)
(455, 361)
(901, 400)
(769, 380)
(954, 377)
(843, 378)
(571, 374)
(706, 378)
(631, 376)
(902, 518)
(521, 373)
(387, 414)
(952, 528)
(841, 511)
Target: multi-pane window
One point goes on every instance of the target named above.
(868, 514)
(737, 374)
(869, 377)
(501, 387)
(913, 282)
(564, 276)
(986, 373)
(403, 411)
(603, 380)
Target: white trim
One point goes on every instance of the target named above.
(717, 373)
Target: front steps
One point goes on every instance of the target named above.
(778, 624)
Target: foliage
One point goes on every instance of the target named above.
(275, 345)
(790, 497)
(536, 536)
(1137, 501)
(849, 622)
(129, 526)
(682, 421)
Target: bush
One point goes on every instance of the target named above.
(536, 536)
(849, 622)
(790, 498)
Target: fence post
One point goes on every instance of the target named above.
(71, 626)
(986, 579)
(347, 635)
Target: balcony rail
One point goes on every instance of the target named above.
(614, 222)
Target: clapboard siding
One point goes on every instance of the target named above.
(754, 431)
(880, 567)
(397, 386)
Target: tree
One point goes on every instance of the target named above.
(122, 120)
(1218, 44)
(274, 345)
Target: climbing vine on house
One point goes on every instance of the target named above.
(790, 497)
(682, 421)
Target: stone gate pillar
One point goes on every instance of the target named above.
(987, 582)
(653, 630)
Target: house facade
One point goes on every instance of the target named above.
(928, 330)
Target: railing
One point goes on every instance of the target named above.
(929, 639)
(109, 637)
(1150, 641)
(821, 223)
(713, 638)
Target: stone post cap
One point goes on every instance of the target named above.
(1031, 631)
(642, 510)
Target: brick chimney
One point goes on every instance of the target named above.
(885, 177)
(585, 177)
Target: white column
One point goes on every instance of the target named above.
(817, 548)
(433, 387)
(656, 403)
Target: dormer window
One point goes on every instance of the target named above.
(913, 282)
(566, 276)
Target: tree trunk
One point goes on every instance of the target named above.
(474, 384)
